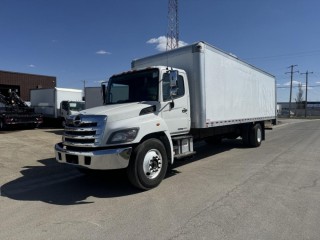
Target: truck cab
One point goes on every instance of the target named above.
(146, 113)
(165, 90)
(68, 108)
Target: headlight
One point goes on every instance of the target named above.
(123, 136)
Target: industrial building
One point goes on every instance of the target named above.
(299, 110)
(23, 82)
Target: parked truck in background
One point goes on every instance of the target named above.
(168, 101)
(93, 97)
(15, 112)
(56, 103)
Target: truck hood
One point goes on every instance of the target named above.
(118, 112)
(73, 112)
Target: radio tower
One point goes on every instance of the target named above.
(173, 25)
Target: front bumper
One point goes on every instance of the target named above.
(97, 159)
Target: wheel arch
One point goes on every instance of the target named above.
(165, 139)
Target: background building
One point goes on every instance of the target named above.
(313, 109)
(23, 82)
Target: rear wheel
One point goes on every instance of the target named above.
(255, 135)
(148, 164)
(252, 135)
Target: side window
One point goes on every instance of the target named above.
(166, 87)
(180, 86)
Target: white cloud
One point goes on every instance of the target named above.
(294, 83)
(317, 82)
(103, 52)
(161, 43)
(31, 65)
(100, 81)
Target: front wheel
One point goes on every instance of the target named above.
(148, 164)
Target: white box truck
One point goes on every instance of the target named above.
(56, 103)
(166, 102)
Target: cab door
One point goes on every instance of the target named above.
(175, 109)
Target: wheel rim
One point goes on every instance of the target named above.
(152, 164)
(259, 135)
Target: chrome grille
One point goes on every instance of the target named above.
(80, 133)
(84, 130)
(84, 124)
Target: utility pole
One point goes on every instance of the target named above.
(291, 72)
(306, 102)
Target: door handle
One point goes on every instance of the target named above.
(184, 110)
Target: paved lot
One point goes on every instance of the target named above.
(226, 192)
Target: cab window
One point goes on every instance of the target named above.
(166, 87)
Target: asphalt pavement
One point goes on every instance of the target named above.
(224, 192)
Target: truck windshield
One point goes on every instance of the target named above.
(134, 87)
(76, 106)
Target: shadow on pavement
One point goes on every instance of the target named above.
(59, 184)
(64, 185)
(205, 150)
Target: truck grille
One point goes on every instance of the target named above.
(84, 130)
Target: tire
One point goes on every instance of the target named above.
(148, 164)
(255, 135)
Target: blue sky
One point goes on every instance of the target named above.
(77, 40)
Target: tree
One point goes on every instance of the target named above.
(299, 99)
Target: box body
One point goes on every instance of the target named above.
(47, 101)
(223, 89)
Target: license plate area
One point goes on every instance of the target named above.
(73, 159)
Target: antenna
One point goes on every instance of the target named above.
(173, 25)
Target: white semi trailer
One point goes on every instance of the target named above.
(168, 101)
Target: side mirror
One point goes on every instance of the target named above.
(173, 75)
